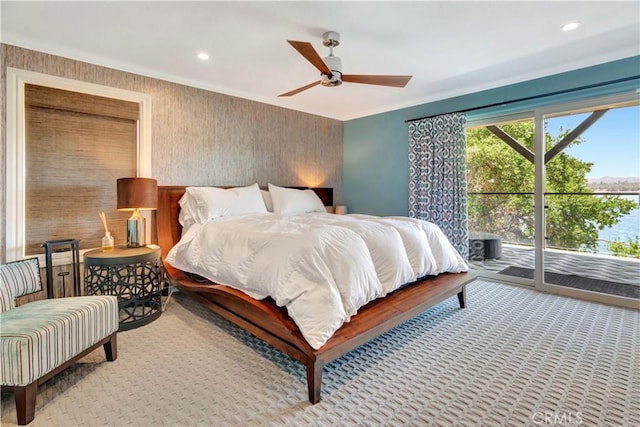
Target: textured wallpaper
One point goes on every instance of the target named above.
(205, 138)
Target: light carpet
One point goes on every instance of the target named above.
(514, 357)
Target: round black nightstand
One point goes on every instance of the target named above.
(134, 275)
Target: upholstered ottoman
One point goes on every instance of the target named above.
(41, 338)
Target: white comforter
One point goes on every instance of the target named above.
(322, 267)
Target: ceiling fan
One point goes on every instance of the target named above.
(331, 67)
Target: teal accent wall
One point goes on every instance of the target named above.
(376, 168)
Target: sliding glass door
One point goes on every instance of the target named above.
(501, 183)
(559, 188)
(591, 195)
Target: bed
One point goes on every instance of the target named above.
(272, 323)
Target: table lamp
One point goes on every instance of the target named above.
(136, 194)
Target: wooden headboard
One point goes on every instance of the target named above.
(169, 229)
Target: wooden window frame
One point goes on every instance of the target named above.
(15, 154)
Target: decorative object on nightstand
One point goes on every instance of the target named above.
(134, 275)
(107, 241)
(340, 210)
(136, 194)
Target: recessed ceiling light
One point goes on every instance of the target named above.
(203, 56)
(571, 26)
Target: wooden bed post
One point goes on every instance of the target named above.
(462, 297)
(314, 379)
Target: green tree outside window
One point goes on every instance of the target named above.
(573, 222)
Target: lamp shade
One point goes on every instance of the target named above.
(137, 193)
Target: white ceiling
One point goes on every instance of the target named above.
(450, 47)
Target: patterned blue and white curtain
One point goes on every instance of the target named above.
(438, 175)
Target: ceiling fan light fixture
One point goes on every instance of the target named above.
(335, 65)
(333, 80)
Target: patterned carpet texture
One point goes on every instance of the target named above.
(514, 357)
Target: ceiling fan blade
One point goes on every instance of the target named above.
(300, 89)
(395, 81)
(311, 55)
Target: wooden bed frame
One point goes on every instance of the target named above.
(267, 321)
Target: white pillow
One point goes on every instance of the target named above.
(213, 202)
(188, 208)
(268, 203)
(292, 201)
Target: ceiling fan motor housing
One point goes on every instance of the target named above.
(335, 65)
(331, 39)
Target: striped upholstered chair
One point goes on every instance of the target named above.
(41, 338)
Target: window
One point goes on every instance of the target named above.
(16, 184)
(76, 147)
(560, 187)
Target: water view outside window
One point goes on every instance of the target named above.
(610, 151)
